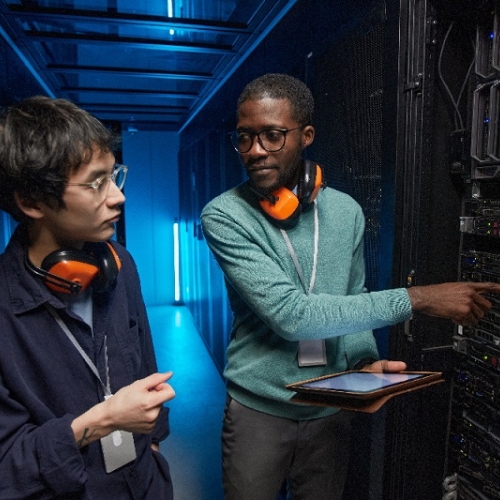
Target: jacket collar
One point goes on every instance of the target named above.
(26, 291)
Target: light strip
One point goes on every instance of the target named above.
(170, 12)
(177, 286)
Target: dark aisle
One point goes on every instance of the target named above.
(193, 447)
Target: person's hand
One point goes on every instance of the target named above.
(385, 366)
(462, 302)
(136, 407)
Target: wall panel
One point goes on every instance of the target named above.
(151, 208)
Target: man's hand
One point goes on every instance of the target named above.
(462, 302)
(385, 366)
(133, 408)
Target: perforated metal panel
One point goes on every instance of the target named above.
(348, 94)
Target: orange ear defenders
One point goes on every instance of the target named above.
(284, 205)
(73, 271)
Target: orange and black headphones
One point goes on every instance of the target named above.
(284, 205)
(73, 271)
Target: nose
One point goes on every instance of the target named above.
(115, 196)
(257, 149)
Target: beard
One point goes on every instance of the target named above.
(287, 177)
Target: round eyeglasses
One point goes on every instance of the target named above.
(272, 140)
(101, 184)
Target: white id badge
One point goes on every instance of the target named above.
(312, 353)
(118, 449)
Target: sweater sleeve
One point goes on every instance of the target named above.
(258, 277)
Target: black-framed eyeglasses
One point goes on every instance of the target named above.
(101, 184)
(272, 140)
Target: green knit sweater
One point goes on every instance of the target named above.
(271, 309)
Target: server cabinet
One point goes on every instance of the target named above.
(473, 452)
(442, 443)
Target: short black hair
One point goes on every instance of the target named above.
(281, 86)
(42, 141)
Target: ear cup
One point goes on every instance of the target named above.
(109, 265)
(69, 271)
(284, 205)
(319, 183)
(310, 182)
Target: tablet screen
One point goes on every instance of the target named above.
(362, 381)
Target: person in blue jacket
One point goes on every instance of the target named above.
(81, 402)
(292, 257)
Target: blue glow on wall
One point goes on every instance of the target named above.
(151, 208)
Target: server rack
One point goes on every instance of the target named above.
(473, 448)
(445, 443)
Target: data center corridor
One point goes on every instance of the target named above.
(193, 447)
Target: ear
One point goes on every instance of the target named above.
(30, 208)
(308, 136)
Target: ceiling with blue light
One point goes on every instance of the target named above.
(145, 63)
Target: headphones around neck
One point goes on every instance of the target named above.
(73, 271)
(284, 205)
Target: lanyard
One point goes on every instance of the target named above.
(295, 260)
(106, 386)
(118, 447)
(310, 352)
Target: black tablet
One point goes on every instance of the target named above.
(364, 385)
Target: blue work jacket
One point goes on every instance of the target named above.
(45, 384)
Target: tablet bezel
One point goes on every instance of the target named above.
(425, 377)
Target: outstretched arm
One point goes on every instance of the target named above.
(462, 302)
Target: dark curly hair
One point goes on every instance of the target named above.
(43, 141)
(280, 86)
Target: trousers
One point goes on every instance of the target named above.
(261, 452)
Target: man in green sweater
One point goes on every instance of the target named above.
(292, 256)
